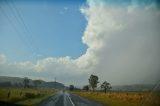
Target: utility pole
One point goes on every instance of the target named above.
(55, 82)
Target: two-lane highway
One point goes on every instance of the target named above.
(66, 99)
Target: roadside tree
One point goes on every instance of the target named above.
(71, 87)
(86, 87)
(26, 82)
(106, 86)
(93, 81)
(37, 83)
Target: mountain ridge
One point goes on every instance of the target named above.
(19, 81)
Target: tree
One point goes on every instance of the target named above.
(71, 87)
(26, 82)
(86, 87)
(106, 86)
(6, 84)
(93, 81)
(37, 82)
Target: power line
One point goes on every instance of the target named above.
(55, 83)
(13, 25)
(27, 34)
(25, 26)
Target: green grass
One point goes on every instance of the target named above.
(29, 96)
(121, 98)
(34, 101)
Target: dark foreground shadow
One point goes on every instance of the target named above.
(2, 103)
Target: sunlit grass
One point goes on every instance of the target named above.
(29, 96)
(33, 101)
(121, 98)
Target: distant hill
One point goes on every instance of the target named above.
(56, 85)
(19, 81)
(136, 87)
(11, 79)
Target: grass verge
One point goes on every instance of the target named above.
(121, 98)
(29, 96)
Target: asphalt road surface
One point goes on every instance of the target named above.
(66, 99)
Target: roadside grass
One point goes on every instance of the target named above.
(28, 96)
(34, 101)
(121, 98)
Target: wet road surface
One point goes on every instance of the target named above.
(66, 99)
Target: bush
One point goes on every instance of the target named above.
(15, 99)
(30, 95)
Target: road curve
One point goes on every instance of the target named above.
(66, 99)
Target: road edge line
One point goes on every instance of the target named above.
(71, 100)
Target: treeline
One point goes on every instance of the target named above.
(93, 82)
(26, 83)
(9, 84)
(29, 83)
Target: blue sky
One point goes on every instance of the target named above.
(31, 30)
(119, 36)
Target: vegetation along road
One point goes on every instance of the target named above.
(66, 99)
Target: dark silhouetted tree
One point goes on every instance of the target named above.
(9, 93)
(6, 84)
(106, 86)
(26, 82)
(37, 82)
(71, 87)
(86, 87)
(93, 81)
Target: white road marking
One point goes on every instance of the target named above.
(71, 100)
(54, 99)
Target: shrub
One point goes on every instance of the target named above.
(15, 99)
(30, 95)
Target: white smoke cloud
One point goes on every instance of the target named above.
(123, 48)
(128, 51)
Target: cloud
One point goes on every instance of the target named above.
(123, 47)
(3, 59)
(124, 40)
(66, 8)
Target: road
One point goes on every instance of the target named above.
(66, 99)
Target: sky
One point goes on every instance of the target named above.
(37, 28)
(70, 40)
